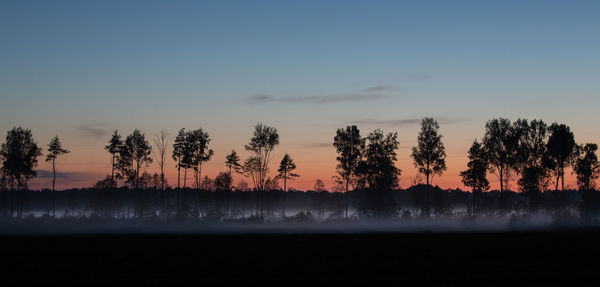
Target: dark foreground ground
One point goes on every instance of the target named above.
(570, 258)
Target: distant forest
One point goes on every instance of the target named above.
(535, 153)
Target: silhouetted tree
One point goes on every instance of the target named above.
(561, 149)
(586, 166)
(161, 141)
(349, 145)
(232, 162)
(475, 175)
(198, 152)
(135, 153)
(430, 155)
(145, 181)
(223, 181)
(19, 158)
(105, 183)
(54, 151)
(377, 169)
(532, 160)
(286, 168)
(500, 143)
(207, 183)
(178, 153)
(114, 146)
(271, 184)
(251, 167)
(261, 144)
(242, 185)
(319, 185)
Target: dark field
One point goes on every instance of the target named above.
(542, 258)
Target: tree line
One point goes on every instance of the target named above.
(534, 151)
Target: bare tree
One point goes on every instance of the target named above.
(161, 141)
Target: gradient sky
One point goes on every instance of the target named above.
(81, 69)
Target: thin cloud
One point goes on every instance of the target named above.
(261, 99)
(368, 94)
(94, 130)
(407, 122)
(45, 174)
(380, 89)
(318, 145)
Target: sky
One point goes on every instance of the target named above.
(81, 69)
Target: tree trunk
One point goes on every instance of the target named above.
(346, 196)
(501, 188)
(112, 171)
(284, 190)
(184, 176)
(427, 172)
(200, 175)
(53, 174)
(283, 210)
(53, 190)
(562, 176)
(178, 176)
(137, 174)
(18, 195)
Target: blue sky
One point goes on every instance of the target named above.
(84, 68)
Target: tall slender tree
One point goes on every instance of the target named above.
(55, 150)
(262, 143)
(114, 146)
(429, 155)
(232, 162)
(286, 170)
(561, 149)
(251, 167)
(161, 141)
(178, 153)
